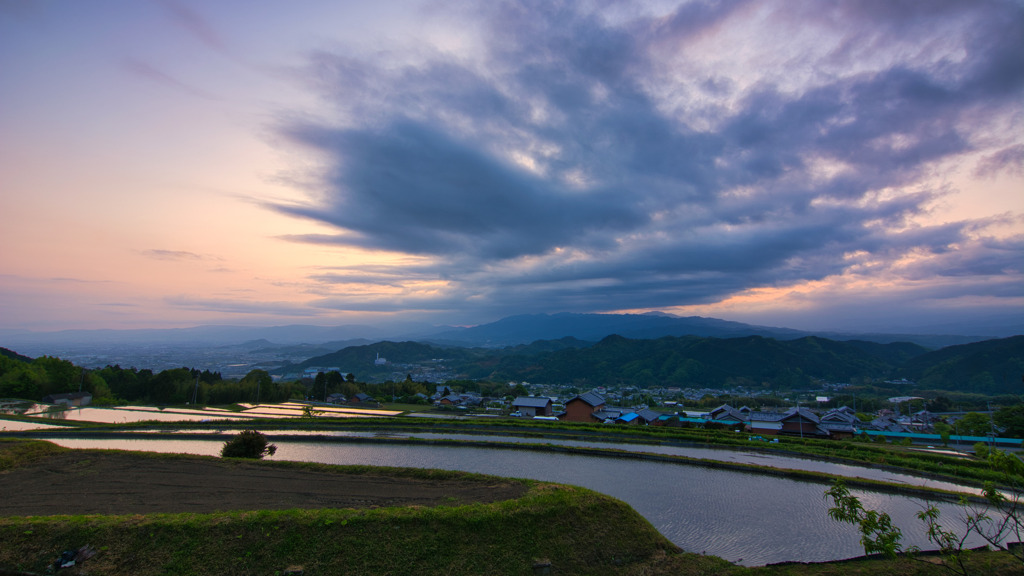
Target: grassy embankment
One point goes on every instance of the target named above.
(577, 530)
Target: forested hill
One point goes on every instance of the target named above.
(708, 362)
(993, 366)
(695, 361)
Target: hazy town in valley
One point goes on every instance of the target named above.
(519, 287)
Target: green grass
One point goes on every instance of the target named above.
(15, 453)
(579, 531)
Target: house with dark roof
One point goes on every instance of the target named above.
(644, 416)
(840, 415)
(841, 422)
(362, 398)
(766, 422)
(802, 422)
(887, 424)
(532, 406)
(608, 414)
(795, 422)
(582, 407)
(649, 416)
(726, 413)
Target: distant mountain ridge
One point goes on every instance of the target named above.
(509, 331)
(527, 328)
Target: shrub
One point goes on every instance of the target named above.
(981, 450)
(248, 444)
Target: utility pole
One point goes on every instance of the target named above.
(992, 425)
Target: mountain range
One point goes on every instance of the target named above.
(597, 349)
(509, 331)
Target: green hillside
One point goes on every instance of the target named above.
(989, 367)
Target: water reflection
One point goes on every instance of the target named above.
(743, 517)
(126, 414)
(20, 407)
(22, 426)
(699, 453)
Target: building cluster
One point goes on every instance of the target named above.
(360, 398)
(443, 396)
(836, 423)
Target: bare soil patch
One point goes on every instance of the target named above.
(83, 482)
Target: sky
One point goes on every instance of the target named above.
(810, 164)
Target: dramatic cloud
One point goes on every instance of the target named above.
(601, 161)
(463, 161)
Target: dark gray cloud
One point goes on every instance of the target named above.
(564, 167)
(1009, 160)
(441, 196)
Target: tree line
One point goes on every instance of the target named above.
(32, 379)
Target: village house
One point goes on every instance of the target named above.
(532, 406)
(362, 398)
(841, 423)
(794, 422)
(644, 416)
(648, 416)
(726, 413)
(581, 408)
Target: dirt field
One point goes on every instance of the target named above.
(111, 483)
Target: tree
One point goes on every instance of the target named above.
(1006, 499)
(943, 430)
(1011, 420)
(59, 375)
(974, 424)
(170, 386)
(981, 450)
(248, 444)
(878, 534)
(940, 404)
(258, 380)
(320, 386)
(334, 380)
(23, 381)
(1000, 522)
